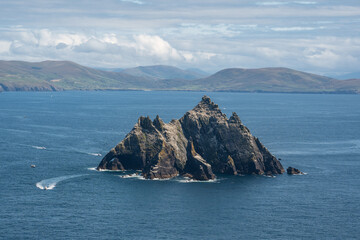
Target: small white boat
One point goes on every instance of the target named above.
(32, 165)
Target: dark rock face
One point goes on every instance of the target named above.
(293, 171)
(199, 144)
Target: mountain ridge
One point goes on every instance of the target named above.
(274, 79)
(66, 75)
(162, 72)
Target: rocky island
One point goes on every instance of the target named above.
(202, 143)
(294, 171)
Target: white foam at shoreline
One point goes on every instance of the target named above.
(176, 179)
(48, 184)
(269, 176)
(133, 175)
(300, 174)
(108, 170)
(189, 180)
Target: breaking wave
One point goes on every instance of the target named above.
(133, 175)
(176, 179)
(48, 184)
(300, 174)
(269, 176)
(189, 180)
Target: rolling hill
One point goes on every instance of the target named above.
(163, 72)
(65, 75)
(353, 75)
(271, 80)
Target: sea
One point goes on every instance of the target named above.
(64, 135)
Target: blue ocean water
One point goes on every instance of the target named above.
(64, 134)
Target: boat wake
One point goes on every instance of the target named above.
(48, 184)
(95, 154)
(106, 170)
(38, 147)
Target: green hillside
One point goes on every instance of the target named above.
(64, 75)
(271, 80)
(163, 72)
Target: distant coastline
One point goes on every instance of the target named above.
(65, 76)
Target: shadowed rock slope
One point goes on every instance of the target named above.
(199, 145)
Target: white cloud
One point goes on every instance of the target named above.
(155, 46)
(285, 3)
(271, 3)
(292, 29)
(43, 37)
(45, 44)
(4, 46)
(333, 53)
(92, 45)
(209, 52)
(225, 30)
(134, 1)
(272, 53)
(205, 34)
(305, 2)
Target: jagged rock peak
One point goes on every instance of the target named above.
(206, 104)
(206, 99)
(158, 123)
(234, 118)
(145, 123)
(199, 145)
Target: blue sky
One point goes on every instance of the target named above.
(310, 35)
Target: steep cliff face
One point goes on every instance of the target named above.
(199, 145)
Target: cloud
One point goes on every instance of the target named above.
(271, 3)
(42, 37)
(285, 3)
(223, 30)
(4, 46)
(320, 54)
(61, 46)
(45, 44)
(305, 2)
(292, 29)
(134, 1)
(309, 35)
(92, 45)
(155, 46)
(333, 54)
